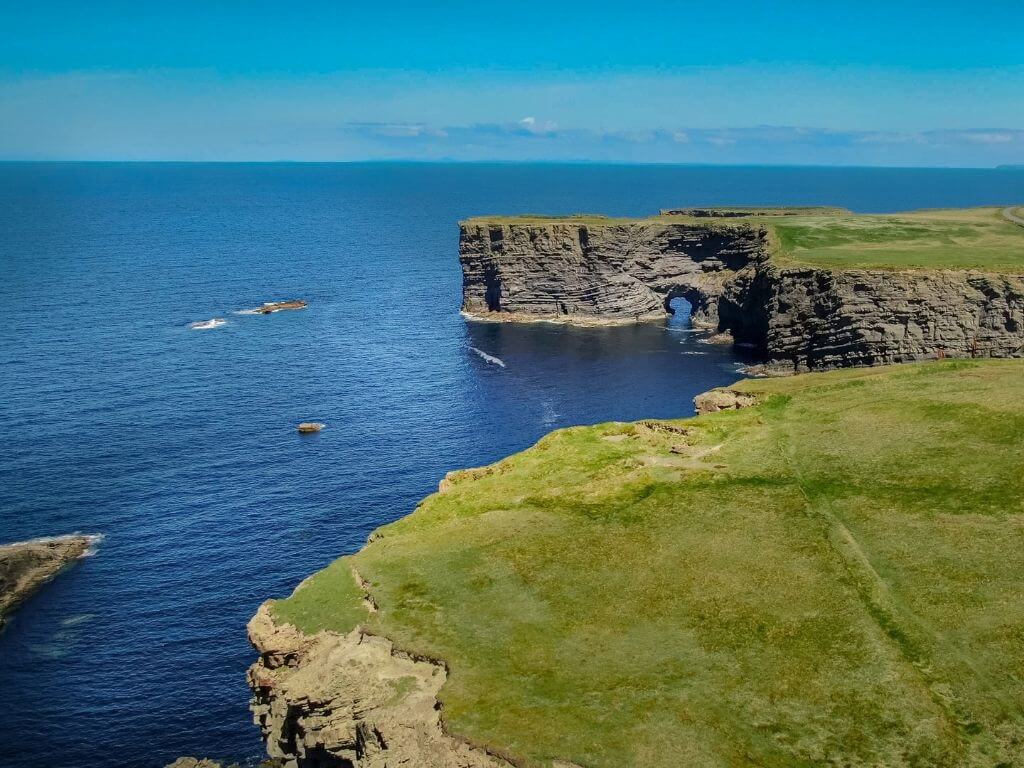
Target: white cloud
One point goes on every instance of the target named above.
(532, 125)
(989, 137)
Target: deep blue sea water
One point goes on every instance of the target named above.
(180, 446)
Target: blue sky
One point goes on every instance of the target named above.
(871, 83)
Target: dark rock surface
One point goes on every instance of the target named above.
(796, 318)
(814, 319)
(612, 272)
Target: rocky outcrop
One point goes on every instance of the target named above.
(350, 701)
(722, 400)
(205, 762)
(25, 566)
(618, 272)
(797, 318)
(814, 319)
(270, 307)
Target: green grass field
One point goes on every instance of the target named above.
(970, 238)
(832, 577)
(950, 239)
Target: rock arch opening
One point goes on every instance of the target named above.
(691, 306)
(680, 311)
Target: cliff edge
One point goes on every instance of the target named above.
(350, 699)
(806, 290)
(817, 570)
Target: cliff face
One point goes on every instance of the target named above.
(350, 701)
(815, 319)
(620, 272)
(797, 318)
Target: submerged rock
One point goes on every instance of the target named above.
(206, 325)
(27, 565)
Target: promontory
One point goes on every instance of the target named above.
(809, 289)
(821, 569)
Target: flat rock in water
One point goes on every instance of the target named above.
(308, 427)
(276, 306)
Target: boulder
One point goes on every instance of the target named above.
(722, 400)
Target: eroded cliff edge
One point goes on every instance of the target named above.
(769, 589)
(350, 700)
(798, 318)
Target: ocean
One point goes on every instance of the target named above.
(178, 444)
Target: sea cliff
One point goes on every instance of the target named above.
(350, 699)
(741, 277)
(816, 570)
(768, 583)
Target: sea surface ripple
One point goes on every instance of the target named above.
(118, 416)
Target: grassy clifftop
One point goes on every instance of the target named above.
(833, 575)
(971, 238)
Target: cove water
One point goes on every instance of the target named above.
(179, 443)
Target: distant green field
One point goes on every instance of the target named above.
(970, 238)
(832, 577)
(949, 239)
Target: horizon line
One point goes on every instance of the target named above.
(454, 161)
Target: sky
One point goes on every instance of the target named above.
(936, 84)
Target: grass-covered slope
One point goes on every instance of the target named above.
(832, 576)
(970, 238)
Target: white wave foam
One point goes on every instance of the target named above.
(549, 417)
(205, 325)
(489, 358)
(692, 353)
(92, 538)
(246, 312)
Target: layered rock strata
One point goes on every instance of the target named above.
(797, 318)
(350, 701)
(615, 272)
(815, 319)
